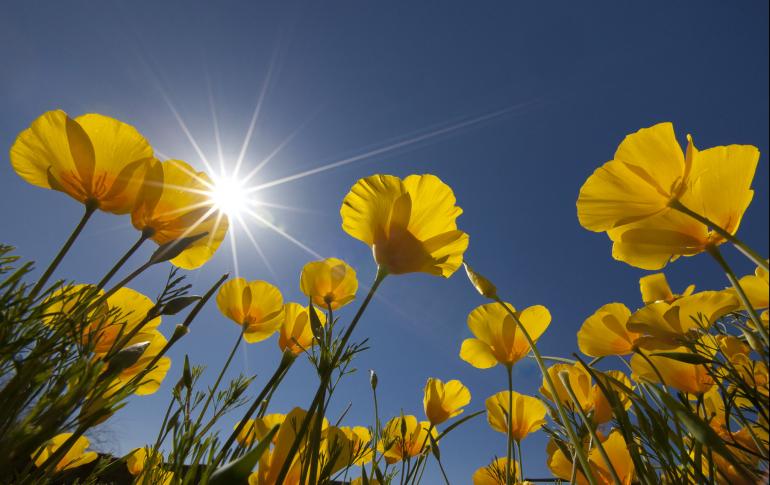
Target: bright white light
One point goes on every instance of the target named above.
(229, 195)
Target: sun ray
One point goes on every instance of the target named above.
(234, 249)
(394, 146)
(272, 205)
(283, 233)
(257, 247)
(215, 122)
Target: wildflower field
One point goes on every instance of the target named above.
(671, 386)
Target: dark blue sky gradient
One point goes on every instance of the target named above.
(358, 76)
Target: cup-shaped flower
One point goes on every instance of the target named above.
(444, 400)
(271, 463)
(498, 339)
(125, 313)
(527, 413)
(579, 380)
(631, 196)
(330, 282)
(602, 409)
(257, 429)
(151, 380)
(410, 224)
(604, 333)
(655, 288)
(75, 456)
(257, 306)
(174, 203)
(360, 439)
(495, 472)
(404, 437)
(669, 322)
(684, 376)
(756, 288)
(296, 332)
(93, 158)
(617, 452)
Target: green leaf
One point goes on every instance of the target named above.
(239, 470)
(685, 357)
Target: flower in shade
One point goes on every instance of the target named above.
(655, 288)
(404, 437)
(149, 473)
(498, 338)
(684, 376)
(94, 159)
(617, 452)
(296, 332)
(152, 377)
(602, 409)
(257, 429)
(360, 439)
(527, 413)
(75, 456)
(410, 224)
(579, 380)
(444, 400)
(604, 333)
(174, 203)
(495, 472)
(631, 196)
(257, 306)
(124, 313)
(330, 282)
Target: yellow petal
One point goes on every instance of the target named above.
(442, 401)
(255, 305)
(367, 208)
(654, 288)
(330, 282)
(477, 353)
(604, 333)
(689, 378)
(495, 473)
(527, 413)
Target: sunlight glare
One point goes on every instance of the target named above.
(229, 195)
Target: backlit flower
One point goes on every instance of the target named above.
(329, 282)
(75, 456)
(360, 439)
(92, 158)
(686, 377)
(495, 472)
(124, 313)
(151, 380)
(602, 409)
(498, 339)
(756, 288)
(579, 380)
(444, 400)
(409, 224)
(655, 288)
(526, 415)
(617, 452)
(630, 197)
(257, 306)
(404, 437)
(604, 333)
(481, 283)
(296, 332)
(257, 429)
(175, 203)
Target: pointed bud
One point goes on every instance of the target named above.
(174, 248)
(482, 285)
(373, 379)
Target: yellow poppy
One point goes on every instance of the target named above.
(498, 339)
(604, 333)
(75, 456)
(669, 322)
(756, 288)
(631, 196)
(495, 472)
(296, 333)
(153, 378)
(404, 437)
(271, 463)
(257, 306)
(360, 439)
(655, 288)
(174, 203)
(66, 299)
(579, 380)
(602, 409)
(527, 413)
(410, 224)
(329, 282)
(617, 452)
(444, 400)
(124, 311)
(256, 429)
(689, 378)
(93, 158)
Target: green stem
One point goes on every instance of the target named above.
(146, 234)
(91, 207)
(521, 462)
(509, 425)
(219, 379)
(579, 451)
(740, 245)
(717, 255)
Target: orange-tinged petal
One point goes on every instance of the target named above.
(527, 413)
(601, 404)
(689, 378)
(579, 380)
(330, 282)
(495, 473)
(620, 459)
(444, 400)
(296, 332)
(604, 333)
(255, 305)
(477, 353)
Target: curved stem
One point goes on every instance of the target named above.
(740, 245)
(90, 209)
(579, 451)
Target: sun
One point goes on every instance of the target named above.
(229, 195)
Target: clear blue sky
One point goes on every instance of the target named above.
(354, 76)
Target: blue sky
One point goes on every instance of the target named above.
(512, 104)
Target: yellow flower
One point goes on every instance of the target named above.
(256, 429)
(617, 452)
(124, 311)
(630, 197)
(527, 413)
(296, 333)
(397, 445)
(174, 203)
(498, 339)
(444, 400)
(602, 410)
(669, 322)
(257, 306)
(495, 472)
(655, 288)
(756, 288)
(409, 224)
(329, 282)
(66, 299)
(270, 464)
(604, 333)
(360, 439)
(75, 456)
(152, 379)
(93, 158)
(152, 473)
(689, 378)
(579, 380)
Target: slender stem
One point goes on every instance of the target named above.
(509, 424)
(579, 451)
(376, 430)
(587, 422)
(441, 467)
(219, 379)
(91, 207)
(717, 255)
(740, 245)
(146, 234)
(521, 462)
(381, 274)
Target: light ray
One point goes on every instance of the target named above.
(257, 246)
(215, 121)
(283, 233)
(272, 205)
(234, 249)
(394, 146)
(186, 131)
